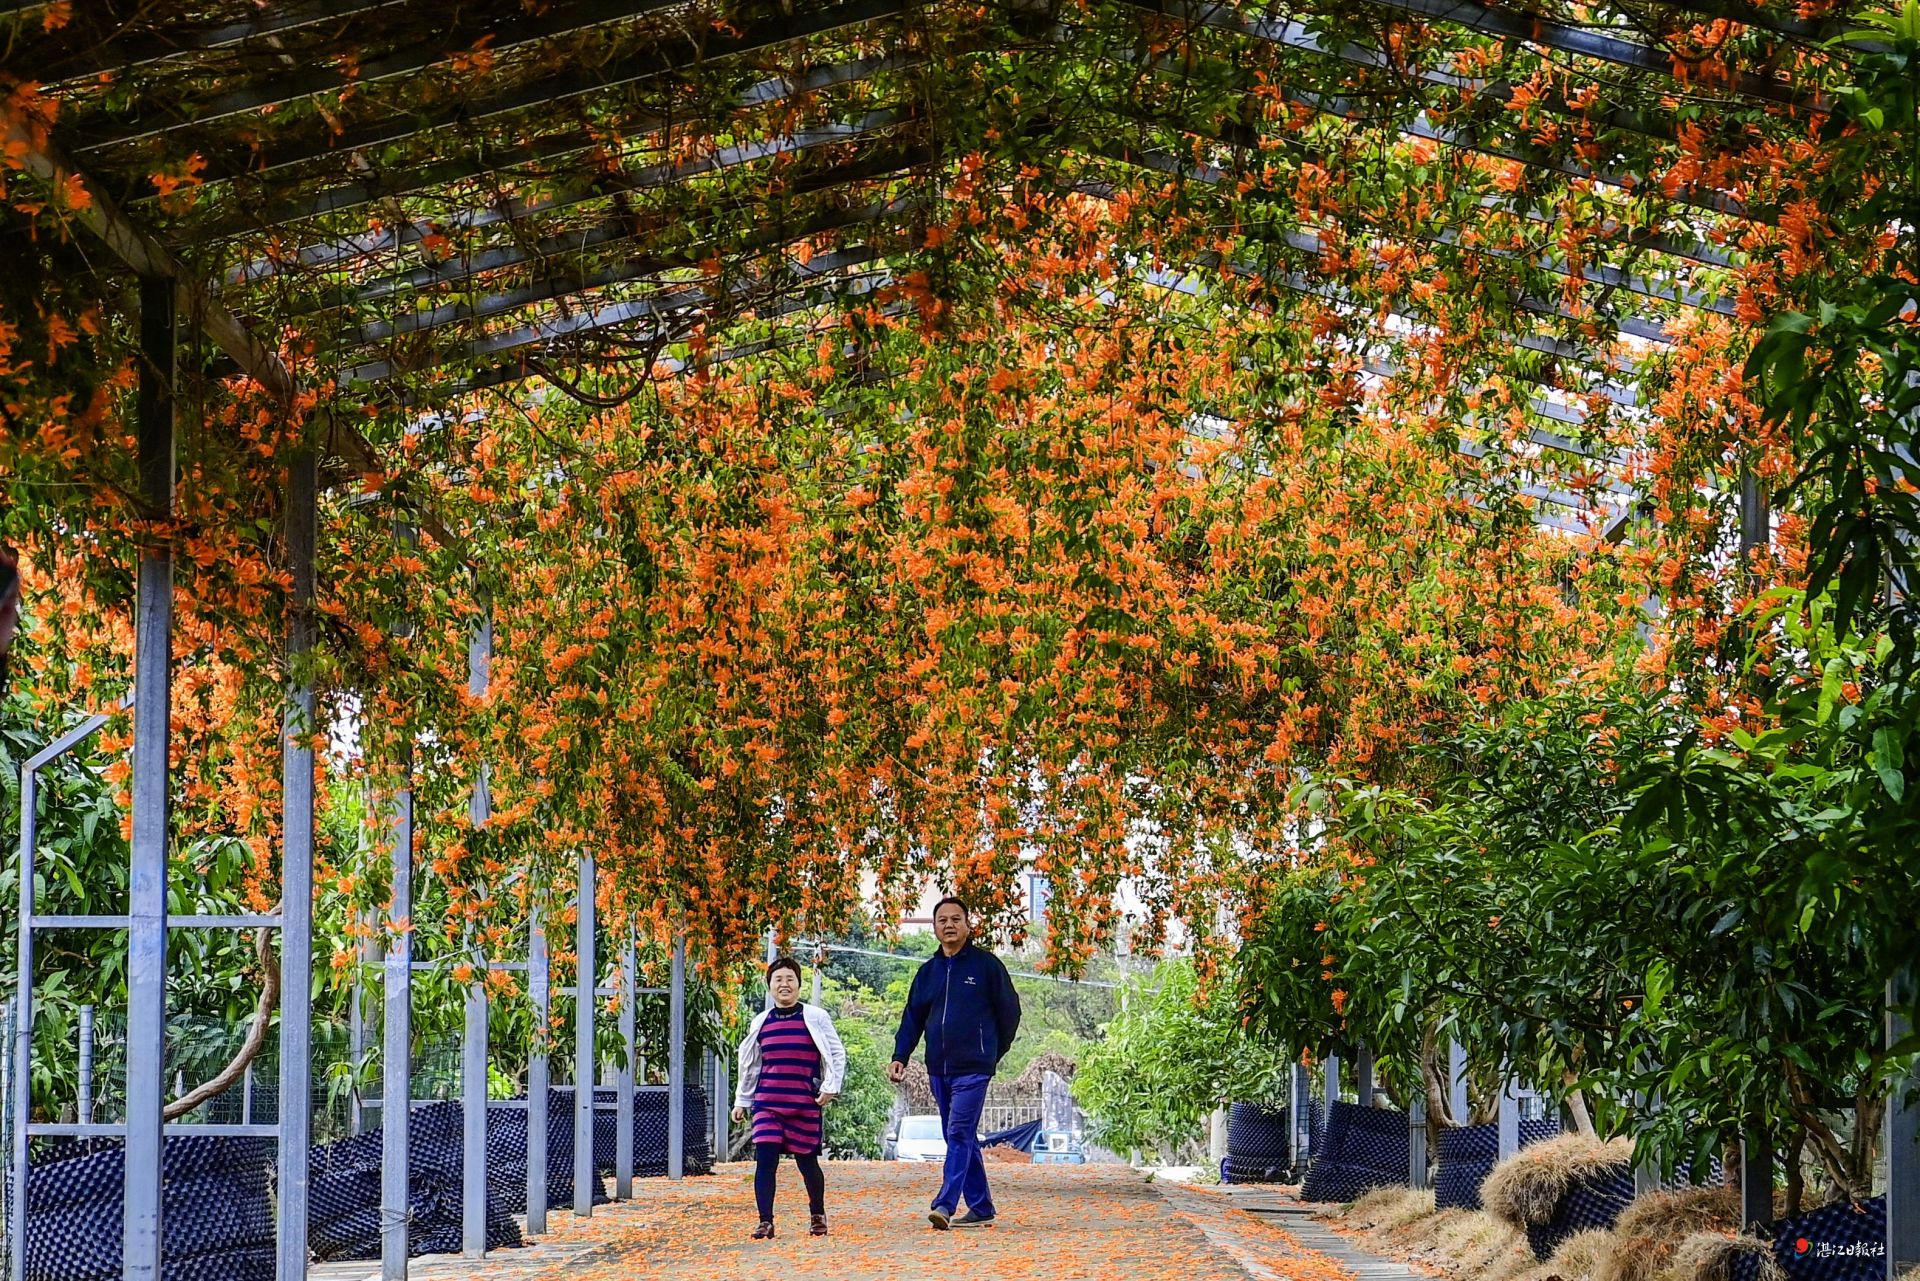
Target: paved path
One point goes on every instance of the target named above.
(1058, 1223)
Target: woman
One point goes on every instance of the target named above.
(791, 1066)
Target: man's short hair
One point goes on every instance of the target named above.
(958, 902)
(783, 963)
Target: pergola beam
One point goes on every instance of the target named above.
(463, 268)
(40, 154)
(141, 48)
(1500, 23)
(387, 186)
(455, 40)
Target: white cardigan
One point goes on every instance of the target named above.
(833, 1055)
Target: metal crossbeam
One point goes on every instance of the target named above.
(461, 269)
(1504, 23)
(546, 92)
(386, 186)
(454, 41)
(146, 47)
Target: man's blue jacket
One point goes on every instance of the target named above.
(966, 1005)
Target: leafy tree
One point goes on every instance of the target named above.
(1169, 1058)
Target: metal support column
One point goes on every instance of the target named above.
(20, 1077)
(396, 1044)
(369, 950)
(539, 993)
(722, 1108)
(295, 1115)
(623, 1078)
(86, 1065)
(1756, 520)
(152, 716)
(1457, 1084)
(1301, 1096)
(677, 1063)
(1332, 1081)
(1901, 1136)
(473, 1040)
(1417, 1143)
(583, 1045)
(1508, 1115)
(1363, 1075)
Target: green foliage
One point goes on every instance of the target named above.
(1172, 1056)
(1839, 370)
(856, 1119)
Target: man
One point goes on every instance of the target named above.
(963, 999)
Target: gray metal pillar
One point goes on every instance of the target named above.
(86, 1065)
(396, 1045)
(538, 1084)
(1363, 1075)
(1457, 1084)
(722, 1108)
(1508, 1116)
(1417, 1143)
(583, 1046)
(1302, 1103)
(473, 1040)
(152, 716)
(370, 951)
(773, 954)
(677, 1063)
(1646, 1172)
(1901, 1136)
(1332, 1081)
(1756, 1179)
(295, 1115)
(473, 1122)
(816, 982)
(623, 1078)
(1756, 521)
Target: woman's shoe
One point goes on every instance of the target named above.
(819, 1228)
(765, 1231)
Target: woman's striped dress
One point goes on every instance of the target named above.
(785, 1110)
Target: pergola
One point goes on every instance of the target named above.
(396, 202)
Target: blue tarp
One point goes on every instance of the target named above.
(1023, 1136)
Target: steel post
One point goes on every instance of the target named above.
(1363, 1075)
(86, 1065)
(585, 981)
(295, 1115)
(1756, 1179)
(539, 993)
(1417, 1144)
(473, 1040)
(396, 1045)
(677, 1063)
(1457, 1084)
(1508, 1117)
(152, 715)
(623, 1079)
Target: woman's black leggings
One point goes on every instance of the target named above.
(766, 1163)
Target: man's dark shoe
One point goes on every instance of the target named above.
(764, 1231)
(972, 1220)
(939, 1219)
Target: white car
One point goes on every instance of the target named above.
(916, 1138)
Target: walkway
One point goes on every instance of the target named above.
(1058, 1223)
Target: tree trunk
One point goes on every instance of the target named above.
(1577, 1104)
(250, 1048)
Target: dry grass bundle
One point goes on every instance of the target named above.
(1461, 1243)
(1046, 1061)
(1652, 1228)
(1710, 1256)
(1581, 1256)
(1526, 1187)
